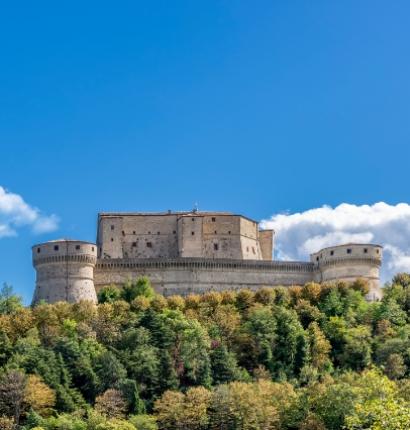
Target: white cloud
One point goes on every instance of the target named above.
(16, 213)
(299, 234)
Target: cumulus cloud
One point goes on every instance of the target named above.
(16, 213)
(299, 234)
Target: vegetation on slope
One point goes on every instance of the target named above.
(312, 357)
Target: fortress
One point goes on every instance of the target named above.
(188, 252)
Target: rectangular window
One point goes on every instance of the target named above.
(112, 227)
(332, 252)
(365, 250)
(134, 244)
(38, 250)
(77, 247)
(253, 250)
(55, 247)
(149, 244)
(349, 251)
(193, 233)
(215, 247)
(213, 219)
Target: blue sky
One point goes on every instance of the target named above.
(256, 108)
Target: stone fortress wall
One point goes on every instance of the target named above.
(188, 252)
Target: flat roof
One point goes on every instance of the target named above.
(167, 213)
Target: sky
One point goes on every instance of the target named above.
(295, 113)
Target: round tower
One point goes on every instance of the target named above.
(348, 263)
(65, 271)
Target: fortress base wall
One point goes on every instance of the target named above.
(190, 276)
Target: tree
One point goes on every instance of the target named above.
(9, 303)
(111, 404)
(12, 385)
(319, 346)
(140, 287)
(109, 294)
(38, 396)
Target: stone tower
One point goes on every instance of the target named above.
(348, 263)
(65, 271)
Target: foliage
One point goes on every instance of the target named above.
(311, 357)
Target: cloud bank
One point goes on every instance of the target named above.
(16, 213)
(299, 234)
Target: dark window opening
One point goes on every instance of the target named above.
(112, 227)
(253, 250)
(123, 233)
(215, 247)
(349, 251)
(112, 239)
(213, 219)
(365, 250)
(133, 232)
(149, 232)
(229, 232)
(77, 247)
(92, 249)
(149, 244)
(377, 251)
(134, 244)
(38, 250)
(55, 247)
(332, 252)
(317, 258)
(193, 233)
(215, 231)
(193, 219)
(158, 232)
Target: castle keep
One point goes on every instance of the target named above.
(188, 252)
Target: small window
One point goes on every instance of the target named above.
(317, 258)
(100, 250)
(133, 232)
(123, 233)
(112, 239)
(134, 244)
(92, 249)
(377, 251)
(55, 247)
(253, 250)
(348, 250)
(149, 232)
(332, 252)
(174, 232)
(149, 244)
(365, 250)
(38, 250)
(229, 232)
(112, 227)
(193, 219)
(215, 247)
(193, 233)
(77, 247)
(215, 232)
(158, 233)
(213, 219)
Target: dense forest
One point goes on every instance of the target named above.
(309, 358)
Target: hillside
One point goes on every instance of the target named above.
(312, 357)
